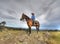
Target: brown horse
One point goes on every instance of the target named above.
(30, 23)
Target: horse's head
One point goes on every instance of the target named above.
(23, 17)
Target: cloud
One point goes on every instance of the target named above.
(47, 12)
(42, 19)
(6, 15)
(53, 18)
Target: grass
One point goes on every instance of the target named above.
(56, 37)
(21, 37)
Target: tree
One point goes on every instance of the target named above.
(2, 23)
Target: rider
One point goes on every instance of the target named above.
(33, 17)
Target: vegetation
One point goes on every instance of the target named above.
(2, 23)
(10, 36)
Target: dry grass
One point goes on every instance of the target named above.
(21, 37)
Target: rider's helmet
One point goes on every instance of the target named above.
(32, 13)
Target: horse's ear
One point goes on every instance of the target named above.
(22, 13)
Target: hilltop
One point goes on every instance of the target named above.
(11, 36)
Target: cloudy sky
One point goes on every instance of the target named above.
(47, 12)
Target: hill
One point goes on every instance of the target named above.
(11, 36)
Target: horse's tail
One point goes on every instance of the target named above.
(39, 24)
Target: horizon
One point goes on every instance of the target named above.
(34, 28)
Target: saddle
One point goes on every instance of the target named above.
(34, 22)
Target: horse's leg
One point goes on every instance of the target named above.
(29, 30)
(37, 28)
(29, 23)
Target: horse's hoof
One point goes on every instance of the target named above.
(29, 34)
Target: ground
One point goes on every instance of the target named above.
(21, 37)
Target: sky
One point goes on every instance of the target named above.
(47, 12)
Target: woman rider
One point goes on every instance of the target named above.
(33, 17)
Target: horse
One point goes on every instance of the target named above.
(30, 22)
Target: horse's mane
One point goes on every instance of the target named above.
(26, 16)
